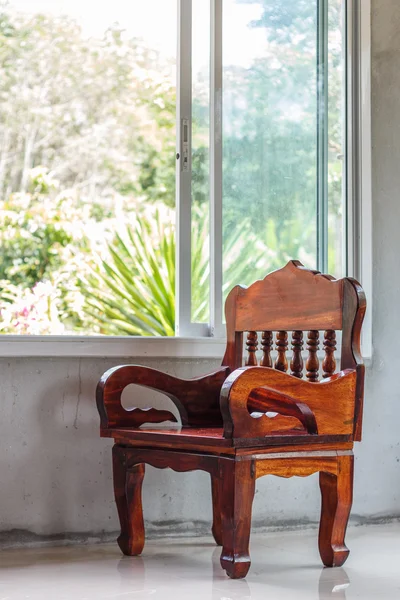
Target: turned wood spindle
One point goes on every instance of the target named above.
(312, 364)
(252, 345)
(281, 363)
(266, 343)
(329, 362)
(296, 364)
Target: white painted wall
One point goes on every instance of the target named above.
(56, 471)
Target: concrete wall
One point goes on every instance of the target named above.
(55, 471)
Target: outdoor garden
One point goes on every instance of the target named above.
(87, 170)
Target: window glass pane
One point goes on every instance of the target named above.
(200, 312)
(87, 166)
(269, 144)
(336, 133)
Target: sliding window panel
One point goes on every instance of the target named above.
(193, 180)
(87, 167)
(269, 137)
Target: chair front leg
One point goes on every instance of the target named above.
(128, 497)
(216, 492)
(337, 498)
(237, 487)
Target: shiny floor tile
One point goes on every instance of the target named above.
(285, 565)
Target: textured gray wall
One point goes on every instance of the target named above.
(55, 471)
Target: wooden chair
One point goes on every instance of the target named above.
(228, 423)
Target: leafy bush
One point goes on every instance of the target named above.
(35, 231)
(33, 311)
(131, 289)
(66, 271)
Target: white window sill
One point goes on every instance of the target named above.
(101, 346)
(113, 346)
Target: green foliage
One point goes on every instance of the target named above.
(99, 113)
(131, 290)
(270, 151)
(33, 311)
(34, 238)
(287, 22)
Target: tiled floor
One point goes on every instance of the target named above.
(284, 566)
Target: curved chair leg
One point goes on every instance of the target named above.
(216, 502)
(128, 497)
(337, 497)
(238, 486)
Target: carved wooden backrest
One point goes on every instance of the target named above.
(303, 309)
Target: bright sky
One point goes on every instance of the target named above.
(155, 21)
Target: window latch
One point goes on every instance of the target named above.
(185, 163)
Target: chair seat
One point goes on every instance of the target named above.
(211, 438)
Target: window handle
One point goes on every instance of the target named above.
(185, 137)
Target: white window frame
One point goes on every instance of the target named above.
(359, 159)
(207, 341)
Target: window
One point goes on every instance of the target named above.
(282, 171)
(87, 166)
(250, 134)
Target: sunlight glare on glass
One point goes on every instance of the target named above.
(154, 21)
(136, 16)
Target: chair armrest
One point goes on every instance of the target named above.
(264, 399)
(325, 407)
(197, 399)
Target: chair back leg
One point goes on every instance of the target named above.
(337, 498)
